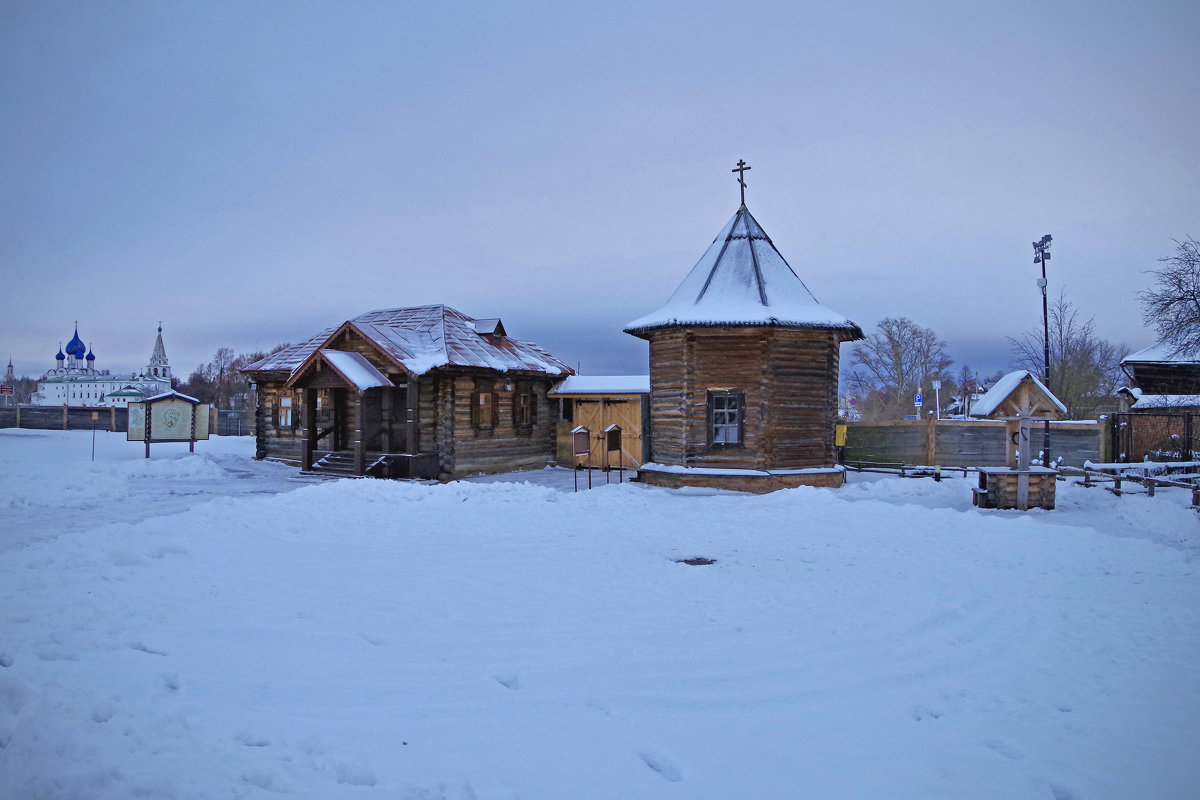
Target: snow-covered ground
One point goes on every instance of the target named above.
(206, 626)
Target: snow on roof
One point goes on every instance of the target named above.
(178, 395)
(1002, 388)
(359, 372)
(1166, 401)
(423, 338)
(743, 281)
(603, 384)
(1162, 352)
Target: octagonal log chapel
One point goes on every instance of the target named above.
(743, 371)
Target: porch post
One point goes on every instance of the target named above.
(360, 447)
(386, 396)
(412, 399)
(310, 428)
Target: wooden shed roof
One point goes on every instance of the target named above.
(421, 339)
(577, 385)
(1163, 353)
(742, 280)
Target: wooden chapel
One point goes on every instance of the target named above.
(743, 371)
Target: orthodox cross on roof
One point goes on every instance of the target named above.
(740, 169)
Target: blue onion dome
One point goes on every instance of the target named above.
(60, 356)
(75, 347)
(91, 356)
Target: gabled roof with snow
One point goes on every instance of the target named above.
(1004, 388)
(603, 384)
(743, 281)
(354, 369)
(1162, 353)
(421, 339)
(172, 395)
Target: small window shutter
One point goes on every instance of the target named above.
(741, 418)
(495, 410)
(708, 418)
(476, 420)
(533, 404)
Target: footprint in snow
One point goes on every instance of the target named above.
(1005, 749)
(664, 769)
(141, 647)
(925, 712)
(104, 712)
(508, 681)
(355, 774)
(249, 740)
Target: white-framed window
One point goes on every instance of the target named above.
(726, 416)
(285, 412)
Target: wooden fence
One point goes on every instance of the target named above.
(965, 443)
(65, 418)
(79, 418)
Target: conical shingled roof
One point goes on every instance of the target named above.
(743, 281)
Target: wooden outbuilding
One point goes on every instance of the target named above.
(1164, 370)
(597, 402)
(408, 392)
(743, 372)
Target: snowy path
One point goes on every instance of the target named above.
(500, 640)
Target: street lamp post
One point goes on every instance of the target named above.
(1041, 254)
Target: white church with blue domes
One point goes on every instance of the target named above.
(75, 381)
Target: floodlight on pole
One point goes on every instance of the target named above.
(1041, 254)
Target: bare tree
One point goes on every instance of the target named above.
(1085, 370)
(901, 356)
(1172, 307)
(221, 381)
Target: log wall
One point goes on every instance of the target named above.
(504, 446)
(790, 382)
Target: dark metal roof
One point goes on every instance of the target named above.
(424, 338)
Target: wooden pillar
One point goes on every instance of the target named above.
(1024, 443)
(931, 440)
(309, 442)
(65, 420)
(112, 419)
(360, 446)
(386, 398)
(412, 399)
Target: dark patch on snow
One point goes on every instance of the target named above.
(696, 561)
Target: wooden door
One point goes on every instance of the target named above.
(626, 413)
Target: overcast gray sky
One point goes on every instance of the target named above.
(252, 172)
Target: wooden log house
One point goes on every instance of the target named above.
(408, 392)
(743, 372)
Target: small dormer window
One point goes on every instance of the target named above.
(492, 330)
